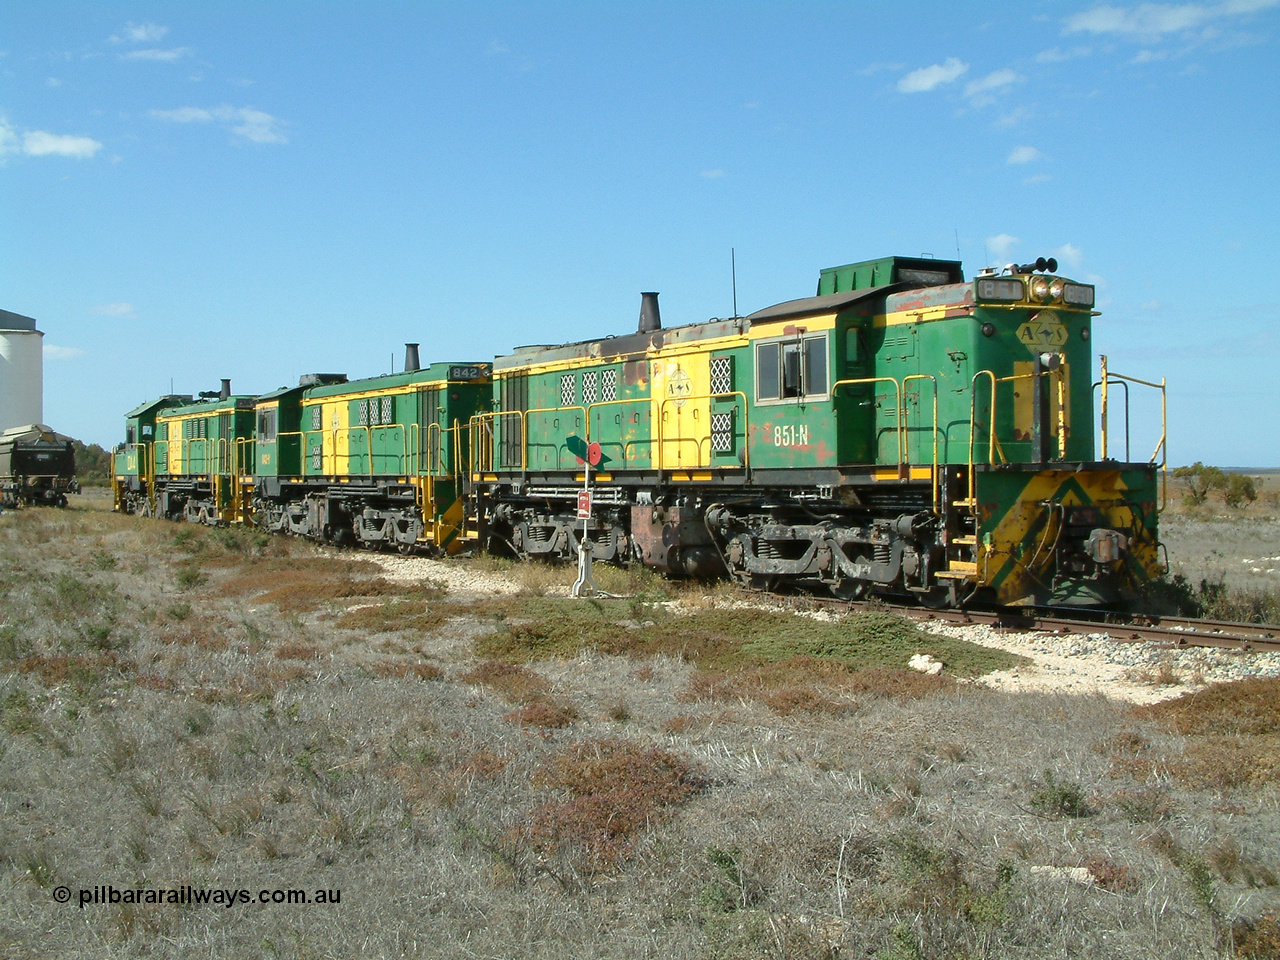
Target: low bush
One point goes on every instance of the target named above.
(615, 790)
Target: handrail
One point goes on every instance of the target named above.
(937, 493)
(646, 401)
(698, 441)
(435, 465)
(522, 415)
(897, 392)
(483, 455)
(993, 443)
(1161, 449)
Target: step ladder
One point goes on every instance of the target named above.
(962, 550)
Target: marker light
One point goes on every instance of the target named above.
(1078, 294)
(1003, 289)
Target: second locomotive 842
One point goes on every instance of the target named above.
(902, 431)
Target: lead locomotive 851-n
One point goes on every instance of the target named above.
(903, 431)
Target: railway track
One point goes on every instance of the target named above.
(1170, 631)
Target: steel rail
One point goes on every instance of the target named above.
(1171, 631)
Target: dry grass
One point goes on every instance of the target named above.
(295, 586)
(637, 777)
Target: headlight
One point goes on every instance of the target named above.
(1078, 293)
(1000, 289)
(1055, 289)
(1040, 288)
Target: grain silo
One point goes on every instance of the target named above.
(21, 371)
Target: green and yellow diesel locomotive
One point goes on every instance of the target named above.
(380, 462)
(376, 462)
(187, 458)
(903, 431)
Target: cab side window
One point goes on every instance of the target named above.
(792, 369)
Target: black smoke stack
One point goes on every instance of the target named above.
(411, 364)
(226, 390)
(650, 319)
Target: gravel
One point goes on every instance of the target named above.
(1094, 664)
(1139, 672)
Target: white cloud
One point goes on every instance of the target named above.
(40, 143)
(183, 115)
(713, 174)
(258, 127)
(1155, 20)
(1038, 178)
(1002, 245)
(9, 142)
(1070, 255)
(254, 125)
(929, 78)
(1024, 155)
(1058, 56)
(115, 309)
(140, 33)
(160, 56)
(54, 352)
(1014, 117)
(1150, 56)
(992, 81)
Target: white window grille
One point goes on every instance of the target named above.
(568, 390)
(722, 432)
(589, 382)
(722, 374)
(609, 386)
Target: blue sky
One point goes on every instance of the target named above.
(258, 190)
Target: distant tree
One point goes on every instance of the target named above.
(93, 464)
(1198, 480)
(1239, 490)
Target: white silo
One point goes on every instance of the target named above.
(21, 371)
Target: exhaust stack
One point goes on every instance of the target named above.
(650, 319)
(226, 389)
(411, 364)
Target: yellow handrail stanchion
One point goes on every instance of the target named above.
(698, 441)
(933, 477)
(897, 405)
(1161, 450)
